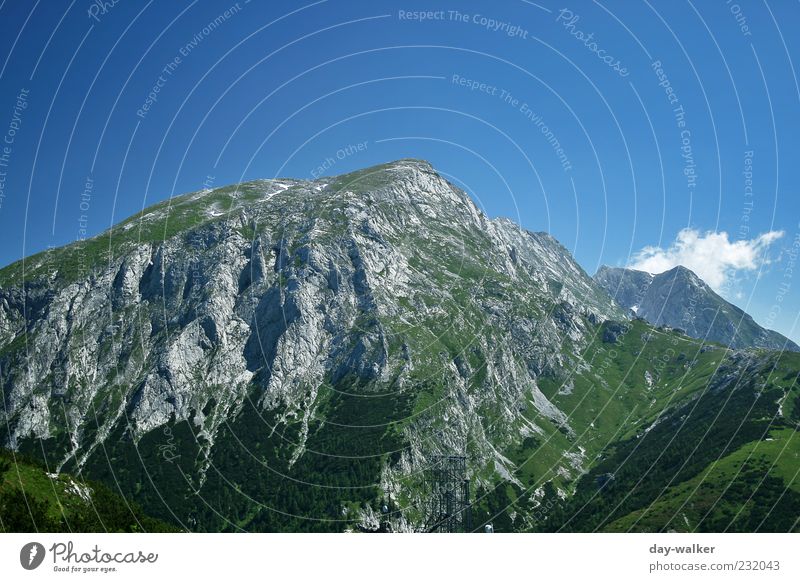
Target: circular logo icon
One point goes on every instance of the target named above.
(31, 555)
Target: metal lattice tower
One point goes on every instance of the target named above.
(449, 510)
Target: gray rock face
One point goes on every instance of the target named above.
(277, 292)
(680, 299)
(230, 353)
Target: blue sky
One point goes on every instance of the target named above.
(616, 126)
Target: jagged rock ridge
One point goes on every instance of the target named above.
(679, 298)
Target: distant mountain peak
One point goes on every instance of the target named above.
(679, 298)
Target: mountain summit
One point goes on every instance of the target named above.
(290, 355)
(679, 298)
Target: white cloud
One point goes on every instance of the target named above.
(711, 255)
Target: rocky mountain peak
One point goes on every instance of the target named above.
(680, 299)
(281, 286)
(681, 273)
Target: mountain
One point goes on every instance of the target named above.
(288, 355)
(678, 298)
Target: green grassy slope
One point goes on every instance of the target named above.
(31, 500)
(724, 459)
